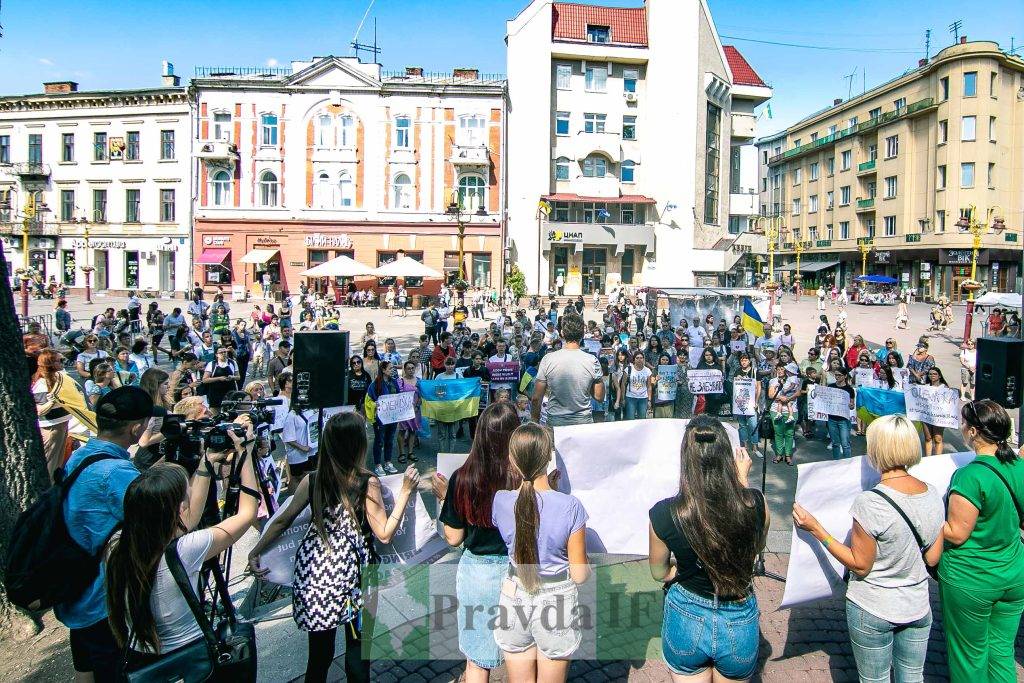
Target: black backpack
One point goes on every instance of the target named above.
(44, 565)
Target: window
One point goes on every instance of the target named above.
(844, 230)
(596, 78)
(595, 212)
(845, 159)
(993, 80)
(221, 189)
(943, 131)
(627, 214)
(347, 132)
(991, 177)
(832, 129)
(324, 131)
(940, 221)
(844, 195)
(562, 168)
(323, 194)
(796, 206)
(472, 190)
(131, 148)
(99, 206)
(764, 185)
(166, 145)
(167, 205)
(940, 179)
(99, 146)
(892, 146)
(628, 265)
(268, 130)
(627, 171)
(943, 89)
(968, 128)
(598, 34)
(402, 132)
(852, 122)
(889, 226)
(222, 126)
(815, 170)
(970, 83)
(629, 128)
(869, 228)
(991, 129)
(899, 103)
(764, 157)
(734, 169)
(890, 187)
(268, 189)
(735, 226)
(814, 137)
(67, 148)
(812, 233)
(796, 143)
(35, 148)
(778, 151)
(385, 257)
(561, 123)
(873, 152)
(5, 149)
(629, 79)
(797, 175)
(67, 205)
(346, 190)
(796, 234)
(594, 166)
(561, 212)
(830, 165)
(472, 129)
(872, 189)
(830, 199)
(812, 204)
(402, 191)
(593, 123)
(829, 232)
(132, 200)
(967, 174)
(712, 159)
(563, 76)
(875, 113)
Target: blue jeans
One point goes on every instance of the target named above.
(839, 432)
(383, 442)
(635, 409)
(478, 584)
(700, 632)
(748, 430)
(879, 646)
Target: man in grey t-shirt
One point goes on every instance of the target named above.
(570, 377)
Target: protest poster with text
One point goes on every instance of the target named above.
(504, 373)
(744, 396)
(392, 408)
(825, 401)
(739, 345)
(667, 383)
(939, 406)
(279, 558)
(592, 346)
(865, 377)
(416, 539)
(705, 382)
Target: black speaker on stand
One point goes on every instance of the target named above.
(999, 370)
(320, 378)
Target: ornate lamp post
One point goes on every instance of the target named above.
(799, 249)
(769, 226)
(456, 210)
(87, 268)
(968, 223)
(865, 248)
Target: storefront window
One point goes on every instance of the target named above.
(451, 266)
(481, 270)
(131, 269)
(68, 267)
(219, 274)
(386, 257)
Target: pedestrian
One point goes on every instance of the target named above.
(968, 365)
(220, 376)
(53, 418)
(783, 390)
(569, 377)
(599, 409)
(933, 434)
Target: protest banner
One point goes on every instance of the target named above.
(666, 388)
(827, 490)
(825, 401)
(744, 396)
(864, 377)
(592, 346)
(738, 345)
(392, 408)
(448, 463)
(279, 558)
(416, 540)
(939, 406)
(902, 377)
(504, 373)
(705, 382)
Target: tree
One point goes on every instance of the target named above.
(22, 467)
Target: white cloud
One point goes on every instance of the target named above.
(271, 62)
(45, 62)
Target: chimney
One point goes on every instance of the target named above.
(922, 62)
(168, 79)
(466, 73)
(963, 40)
(414, 71)
(837, 101)
(60, 87)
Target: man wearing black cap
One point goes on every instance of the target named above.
(92, 510)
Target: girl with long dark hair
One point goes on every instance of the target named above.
(348, 512)
(383, 434)
(466, 504)
(933, 434)
(155, 382)
(703, 542)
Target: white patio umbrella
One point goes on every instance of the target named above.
(339, 266)
(406, 267)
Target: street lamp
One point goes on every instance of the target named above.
(29, 215)
(456, 210)
(866, 245)
(967, 223)
(87, 268)
(770, 226)
(799, 249)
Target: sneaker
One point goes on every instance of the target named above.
(379, 471)
(757, 453)
(389, 468)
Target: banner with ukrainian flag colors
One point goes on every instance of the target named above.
(872, 403)
(449, 400)
(751, 319)
(526, 383)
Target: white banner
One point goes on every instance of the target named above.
(939, 406)
(705, 381)
(393, 408)
(827, 489)
(864, 377)
(280, 557)
(416, 539)
(825, 401)
(744, 396)
(738, 345)
(695, 353)
(667, 383)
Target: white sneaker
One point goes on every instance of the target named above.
(758, 453)
(379, 471)
(389, 468)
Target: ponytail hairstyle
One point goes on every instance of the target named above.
(714, 511)
(993, 425)
(530, 451)
(340, 478)
(152, 518)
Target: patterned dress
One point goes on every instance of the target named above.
(325, 591)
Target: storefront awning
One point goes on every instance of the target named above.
(259, 256)
(597, 234)
(213, 256)
(808, 266)
(624, 199)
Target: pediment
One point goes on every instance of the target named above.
(332, 73)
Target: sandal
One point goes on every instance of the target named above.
(401, 457)
(789, 460)
(777, 459)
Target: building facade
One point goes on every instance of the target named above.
(110, 176)
(621, 123)
(882, 180)
(334, 157)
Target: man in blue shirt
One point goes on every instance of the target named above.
(94, 507)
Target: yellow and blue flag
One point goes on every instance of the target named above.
(449, 400)
(751, 319)
(526, 383)
(874, 403)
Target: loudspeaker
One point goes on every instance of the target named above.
(321, 369)
(999, 370)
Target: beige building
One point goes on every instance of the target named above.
(896, 167)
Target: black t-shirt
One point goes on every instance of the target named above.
(357, 385)
(479, 540)
(848, 389)
(482, 372)
(690, 572)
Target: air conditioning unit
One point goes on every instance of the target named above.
(630, 97)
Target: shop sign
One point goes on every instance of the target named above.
(216, 240)
(961, 257)
(167, 247)
(265, 241)
(883, 257)
(565, 236)
(297, 264)
(318, 239)
(98, 244)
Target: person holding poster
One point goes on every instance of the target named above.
(746, 397)
(710, 403)
(665, 386)
(682, 408)
(346, 502)
(408, 428)
(839, 425)
(383, 434)
(933, 434)
(703, 543)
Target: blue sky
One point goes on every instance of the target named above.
(120, 44)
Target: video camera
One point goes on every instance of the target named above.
(185, 440)
(261, 412)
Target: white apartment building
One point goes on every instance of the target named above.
(621, 129)
(110, 172)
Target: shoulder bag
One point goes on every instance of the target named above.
(932, 571)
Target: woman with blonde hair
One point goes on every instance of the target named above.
(897, 531)
(53, 419)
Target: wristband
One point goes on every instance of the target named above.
(827, 540)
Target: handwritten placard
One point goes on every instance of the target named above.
(939, 406)
(705, 381)
(744, 396)
(667, 383)
(392, 408)
(825, 401)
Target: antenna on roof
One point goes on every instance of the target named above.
(358, 47)
(927, 43)
(954, 28)
(849, 82)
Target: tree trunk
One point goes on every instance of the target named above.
(22, 467)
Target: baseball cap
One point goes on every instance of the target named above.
(125, 404)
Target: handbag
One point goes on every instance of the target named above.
(224, 653)
(932, 571)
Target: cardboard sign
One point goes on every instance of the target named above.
(392, 408)
(825, 401)
(744, 396)
(939, 406)
(705, 382)
(504, 373)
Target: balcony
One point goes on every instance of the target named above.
(821, 244)
(217, 150)
(35, 229)
(743, 125)
(609, 144)
(471, 155)
(30, 171)
(866, 168)
(866, 204)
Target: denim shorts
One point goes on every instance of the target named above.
(478, 584)
(700, 632)
(547, 619)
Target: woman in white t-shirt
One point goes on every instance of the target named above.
(147, 609)
(301, 438)
(90, 350)
(53, 419)
(637, 386)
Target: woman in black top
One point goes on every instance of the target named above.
(710, 361)
(477, 368)
(466, 501)
(358, 381)
(713, 529)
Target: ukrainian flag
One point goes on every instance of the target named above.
(873, 403)
(449, 400)
(751, 320)
(526, 383)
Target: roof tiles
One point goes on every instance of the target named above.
(628, 25)
(742, 72)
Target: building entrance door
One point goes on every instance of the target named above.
(595, 267)
(960, 273)
(99, 260)
(166, 271)
(559, 268)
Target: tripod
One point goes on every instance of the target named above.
(763, 421)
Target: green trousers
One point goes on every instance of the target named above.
(785, 429)
(981, 625)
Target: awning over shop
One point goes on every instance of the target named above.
(213, 256)
(808, 266)
(259, 256)
(624, 199)
(597, 234)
